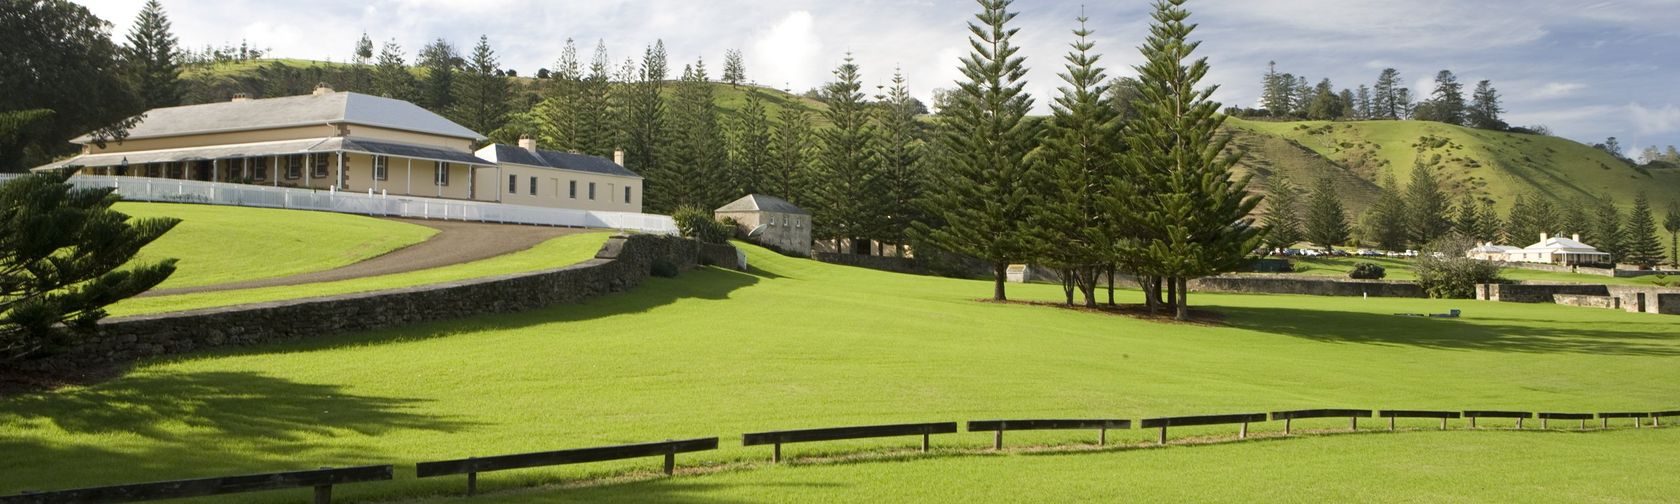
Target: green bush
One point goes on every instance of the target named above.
(1445, 272)
(698, 224)
(664, 268)
(1367, 271)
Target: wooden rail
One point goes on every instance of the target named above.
(1393, 414)
(1352, 415)
(1163, 423)
(1583, 417)
(778, 438)
(998, 426)
(1604, 418)
(474, 465)
(322, 480)
(1657, 416)
(1519, 415)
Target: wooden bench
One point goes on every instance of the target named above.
(1393, 414)
(1163, 423)
(778, 438)
(1604, 418)
(1657, 416)
(474, 465)
(1102, 426)
(1352, 415)
(1519, 415)
(1583, 417)
(322, 480)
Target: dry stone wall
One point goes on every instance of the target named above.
(623, 262)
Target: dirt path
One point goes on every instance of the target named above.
(456, 242)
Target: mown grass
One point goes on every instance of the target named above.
(219, 244)
(798, 344)
(554, 253)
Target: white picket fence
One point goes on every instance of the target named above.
(218, 193)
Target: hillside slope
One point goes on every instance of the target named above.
(1485, 164)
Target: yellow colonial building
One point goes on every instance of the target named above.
(351, 142)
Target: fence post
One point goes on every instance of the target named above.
(925, 442)
(1354, 426)
(1163, 434)
(997, 439)
(1243, 434)
(777, 456)
(472, 478)
(670, 459)
(1102, 436)
(1543, 425)
(1286, 424)
(1390, 423)
(1443, 423)
(323, 493)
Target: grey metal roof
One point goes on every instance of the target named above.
(280, 148)
(503, 153)
(294, 111)
(762, 203)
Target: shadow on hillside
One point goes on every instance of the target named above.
(672, 491)
(1495, 334)
(195, 425)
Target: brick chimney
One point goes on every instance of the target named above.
(618, 157)
(1543, 237)
(323, 89)
(528, 143)
(241, 97)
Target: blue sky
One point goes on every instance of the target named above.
(1587, 69)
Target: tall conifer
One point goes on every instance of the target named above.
(1079, 158)
(152, 58)
(985, 192)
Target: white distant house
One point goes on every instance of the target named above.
(1491, 252)
(1558, 250)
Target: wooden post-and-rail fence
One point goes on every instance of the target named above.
(321, 480)
(474, 465)
(1393, 414)
(999, 426)
(778, 438)
(1163, 423)
(1352, 415)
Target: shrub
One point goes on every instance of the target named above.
(1367, 271)
(698, 224)
(664, 268)
(1445, 272)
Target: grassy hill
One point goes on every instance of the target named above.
(796, 343)
(1485, 164)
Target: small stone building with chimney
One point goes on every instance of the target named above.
(772, 222)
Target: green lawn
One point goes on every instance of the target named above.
(554, 253)
(798, 344)
(1401, 269)
(1487, 466)
(221, 244)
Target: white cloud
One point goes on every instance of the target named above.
(1552, 90)
(785, 54)
(1654, 121)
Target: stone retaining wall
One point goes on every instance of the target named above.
(892, 264)
(622, 263)
(1610, 302)
(1536, 293)
(1306, 286)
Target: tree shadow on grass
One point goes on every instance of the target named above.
(1482, 334)
(195, 425)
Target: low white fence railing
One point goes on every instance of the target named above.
(220, 193)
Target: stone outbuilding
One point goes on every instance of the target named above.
(772, 222)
